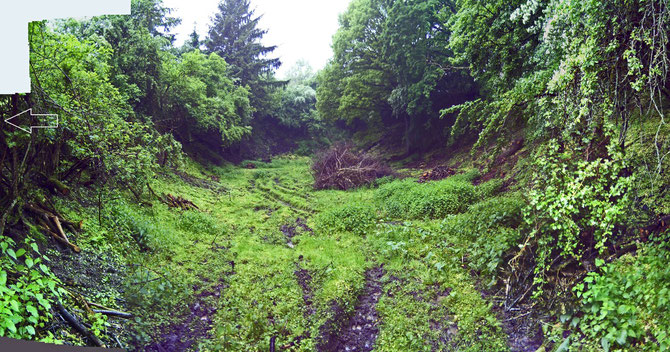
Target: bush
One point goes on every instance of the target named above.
(408, 199)
(339, 167)
(28, 290)
(357, 219)
(500, 211)
(627, 303)
(576, 204)
(489, 188)
(489, 228)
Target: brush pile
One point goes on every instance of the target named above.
(437, 173)
(52, 223)
(179, 202)
(340, 167)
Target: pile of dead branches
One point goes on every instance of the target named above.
(53, 223)
(179, 202)
(437, 173)
(340, 167)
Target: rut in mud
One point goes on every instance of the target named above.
(359, 333)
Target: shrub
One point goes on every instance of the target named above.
(489, 228)
(410, 200)
(499, 211)
(339, 167)
(28, 290)
(357, 219)
(628, 301)
(489, 188)
(576, 204)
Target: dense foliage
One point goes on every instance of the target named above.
(391, 63)
(548, 119)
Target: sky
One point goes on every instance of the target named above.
(301, 29)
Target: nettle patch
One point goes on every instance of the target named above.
(486, 233)
(356, 218)
(407, 199)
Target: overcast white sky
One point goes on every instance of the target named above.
(302, 29)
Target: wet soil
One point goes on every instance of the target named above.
(522, 324)
(290, 230)
(305, 280)
(359, 332)
(194, 327)
(523, 328)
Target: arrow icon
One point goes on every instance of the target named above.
(25, 125)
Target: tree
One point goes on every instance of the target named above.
(234, 35)
(301, 73)
(391, 65)
(194, 39)
(200, 102)
(137, 41)
(298, 99)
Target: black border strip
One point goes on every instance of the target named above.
(7, 344)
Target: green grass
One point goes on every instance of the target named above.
(429, 300)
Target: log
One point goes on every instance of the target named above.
(100, 306)
(39, 209)
(59, 227)
(58, 238)
(78, 326)
(53, 227)
(114, 313)
(53, 184)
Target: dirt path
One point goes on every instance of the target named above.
(359, 333)
(195, 327)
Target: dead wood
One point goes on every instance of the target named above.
(59, 235)
(179, 202)
(70, 319)
(340, 167)
(53, 184)
(114, 313)
(437, 173)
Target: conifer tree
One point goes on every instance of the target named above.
(235, 36)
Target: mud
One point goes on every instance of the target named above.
(194, 328)
(359, 332)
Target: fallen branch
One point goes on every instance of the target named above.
(60, 239)
(179, 202)
(78, 326)
(114, 313)
(51, 223)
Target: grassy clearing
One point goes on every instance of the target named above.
(257, 228)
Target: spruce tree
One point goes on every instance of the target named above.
(235, 36)
(194, 38)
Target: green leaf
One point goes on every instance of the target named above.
(565, 346)
(605, 343)
(9, 324)
(621, 340)
(622, 309)
(11, 253)
(30, 330)
(32, 310)
(20, 252)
